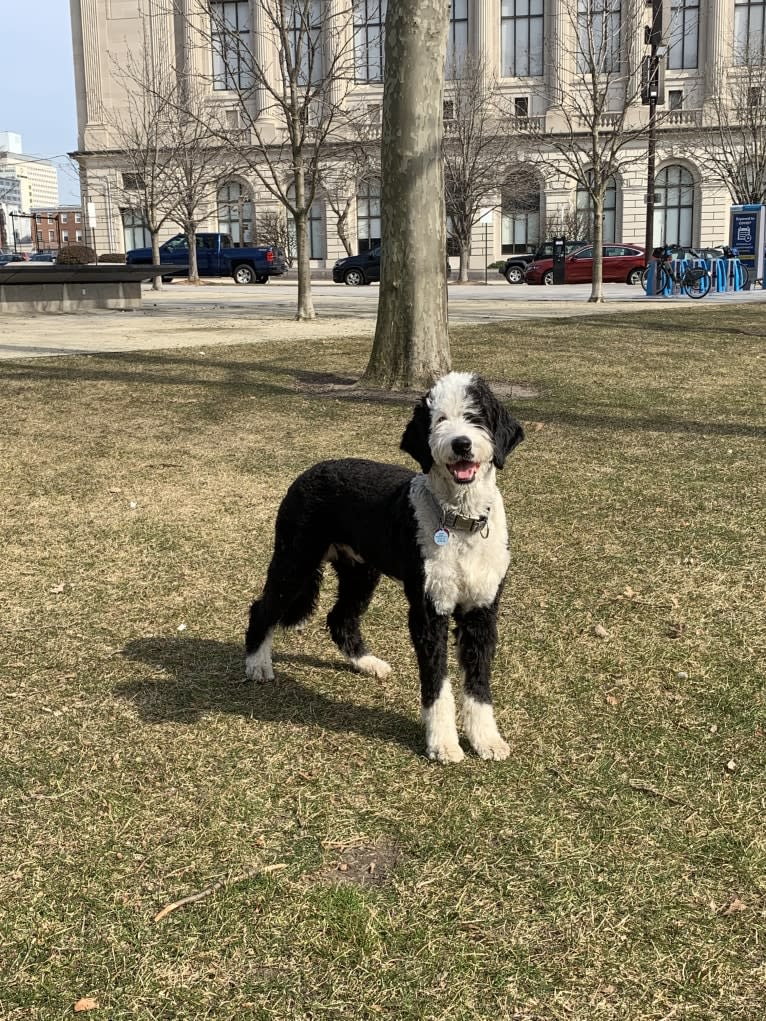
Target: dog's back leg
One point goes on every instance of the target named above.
(289, 596)
(356, 584)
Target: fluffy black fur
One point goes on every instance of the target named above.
(359, 516)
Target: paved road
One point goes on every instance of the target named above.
(223, 313)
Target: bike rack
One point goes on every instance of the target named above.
(725, 275)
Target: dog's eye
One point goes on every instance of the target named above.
(441, 418)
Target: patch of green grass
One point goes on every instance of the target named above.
(614, 868)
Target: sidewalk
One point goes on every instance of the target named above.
(220, 312)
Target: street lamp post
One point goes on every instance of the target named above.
(652, 95)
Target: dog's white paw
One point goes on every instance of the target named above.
(372, 666)
(445, 753)
(258, 667)
(481, 730)
(494, 748)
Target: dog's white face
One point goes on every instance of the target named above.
(458, 437)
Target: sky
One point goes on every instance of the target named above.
(37, 97)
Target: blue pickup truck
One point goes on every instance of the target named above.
(217, 257)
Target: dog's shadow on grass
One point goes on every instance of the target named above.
(202, 676)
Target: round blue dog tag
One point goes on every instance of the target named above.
(441, 536)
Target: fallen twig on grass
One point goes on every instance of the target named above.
(194, 897)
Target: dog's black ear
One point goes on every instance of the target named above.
(415, 437)
(506, 431)
(507, 434)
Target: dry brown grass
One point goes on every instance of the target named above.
(614, 868)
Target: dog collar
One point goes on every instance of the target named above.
(451, 519)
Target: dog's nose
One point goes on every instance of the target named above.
(462, 446)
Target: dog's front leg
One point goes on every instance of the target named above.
(476, 641)
(429, 631)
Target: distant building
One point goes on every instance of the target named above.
(38, 178)
(10, 209)
(54, 228)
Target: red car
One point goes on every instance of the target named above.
(623, 264)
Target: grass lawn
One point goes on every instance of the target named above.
(613, 868)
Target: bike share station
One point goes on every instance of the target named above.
(738, 268)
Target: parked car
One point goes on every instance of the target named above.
(7, 257)
(42, 257)
(516, 265)
(217, 257)
(621, 264)
(363, 268)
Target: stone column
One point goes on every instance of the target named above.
(264, 59)
(159, 34)
(195, 31)
(560, 45)
(720, 21)
(484, 39)
(92, 49)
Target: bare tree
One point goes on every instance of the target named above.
(411, 345)
(290, 88)
(201, 160)
(596, 117)
(733, 149)
(340, 179)
(141, 132)
(476, 153)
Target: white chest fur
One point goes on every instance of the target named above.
(469, 569)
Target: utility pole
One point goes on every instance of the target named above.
(652, 95)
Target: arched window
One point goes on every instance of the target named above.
(585, 209)
(235, 213)
(317, 247)
(134, 230)
(674, 212)
(368, 214)
(520, 215)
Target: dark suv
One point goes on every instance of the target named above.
(516, 265)
(362, 269)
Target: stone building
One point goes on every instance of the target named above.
(528, 46)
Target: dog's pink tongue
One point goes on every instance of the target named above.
(464, 471)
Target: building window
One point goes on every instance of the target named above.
(749, 30)
(235, 213)
(519, 222)
(51, 235)
(78, 236)
(457, 42)
(521, 37)
(231, 44)
(521, 107)
(77, 217)
(369, 21)
(65, 237)
(368, 214)
(134, 230)
(684, 34)
(584, 204)
(598, 36)
(303, 26)
(63, 217)
(675, 99)
(674, 211)
(132, 182)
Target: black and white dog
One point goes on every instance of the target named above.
(441, 533)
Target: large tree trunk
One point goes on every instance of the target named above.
(411, 346)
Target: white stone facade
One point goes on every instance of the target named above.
(534, 36)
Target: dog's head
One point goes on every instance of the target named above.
(459, 426)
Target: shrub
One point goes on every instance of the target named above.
(112, 257)
(76, 255)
